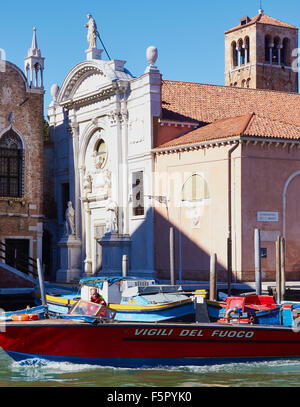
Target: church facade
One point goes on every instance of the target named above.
(136, 156)
(101, 122)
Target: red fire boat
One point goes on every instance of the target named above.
(123, 344)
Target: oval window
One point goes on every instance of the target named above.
(100, 154)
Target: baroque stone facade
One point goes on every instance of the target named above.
(101, 128)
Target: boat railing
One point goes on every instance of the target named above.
(17, 260)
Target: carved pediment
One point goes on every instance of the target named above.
(84, 80)
(89, 84)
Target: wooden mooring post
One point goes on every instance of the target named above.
(172, 257)
(257, 261)
(41, 282)
(280, 269)
(213, 277)
(278, 262)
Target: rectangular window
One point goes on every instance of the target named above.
(17, 253)
(138, 193)
(11, 170)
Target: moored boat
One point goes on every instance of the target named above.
(133, 298)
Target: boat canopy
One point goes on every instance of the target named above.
(152, 289)
(98, 281)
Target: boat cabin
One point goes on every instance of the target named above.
(112, 288)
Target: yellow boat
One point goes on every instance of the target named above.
(133, 299)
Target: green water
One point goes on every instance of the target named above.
(54, 374)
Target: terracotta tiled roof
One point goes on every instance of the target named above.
(264, 127)
(246, 125)
(262, 19)
(203, 103)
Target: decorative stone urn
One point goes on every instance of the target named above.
(151, 55)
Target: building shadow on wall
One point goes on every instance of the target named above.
(56, 193)
(191, 261)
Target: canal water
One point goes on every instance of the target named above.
(37, 373)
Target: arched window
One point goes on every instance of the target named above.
(241, 52)
(275, 51)
(267, 49)
(247, 47)
(285, 58)
(234, 54)
(11, 165)
(195, 189)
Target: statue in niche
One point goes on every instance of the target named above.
(111, 221)
(87, 184)
(70, 220)
(92, 32)
(99, 160)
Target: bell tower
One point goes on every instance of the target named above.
(259, 54)
(34, 65)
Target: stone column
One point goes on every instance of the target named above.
(117, 187)
(246, 53)
(74, 134)
(88, 244)
(279, 48)
(239, 56)
(82, 198)
(271, 46)
(125, 226)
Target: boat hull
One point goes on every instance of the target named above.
(147, 345)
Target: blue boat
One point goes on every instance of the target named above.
(133, 298)
(40, 310)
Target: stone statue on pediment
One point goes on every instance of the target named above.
(92, 32)
(70, 220)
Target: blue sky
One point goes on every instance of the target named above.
(189, 34)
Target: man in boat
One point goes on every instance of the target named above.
(96, 297)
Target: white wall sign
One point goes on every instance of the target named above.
(268, 216)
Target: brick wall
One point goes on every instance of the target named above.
(19, 217)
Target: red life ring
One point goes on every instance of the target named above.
(25, 317)
(20, 317)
